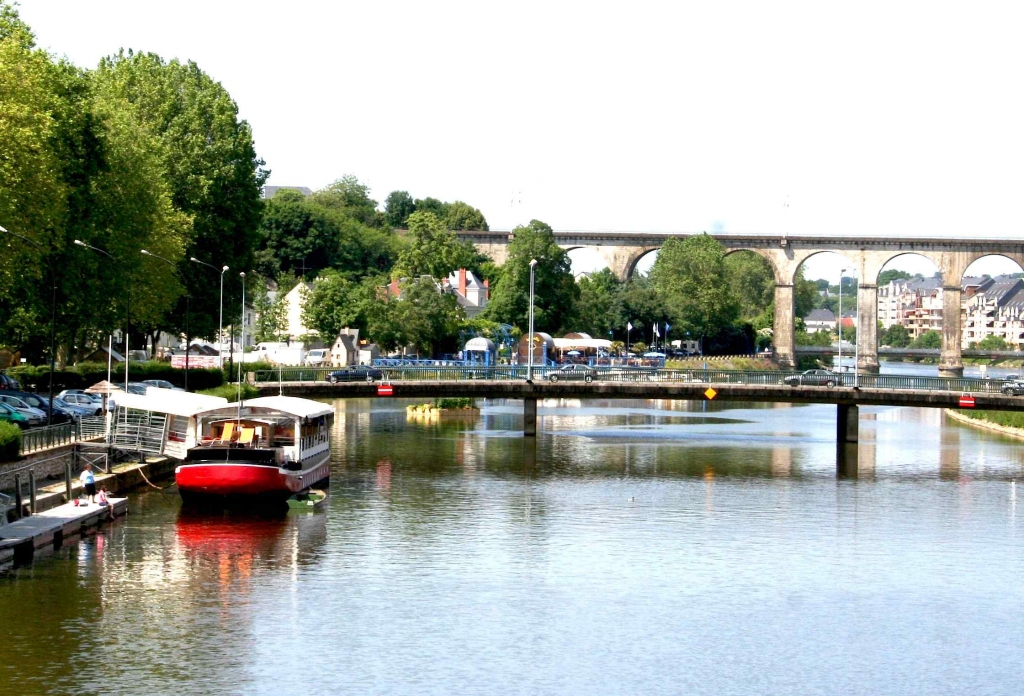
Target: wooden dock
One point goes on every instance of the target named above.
(53, 527)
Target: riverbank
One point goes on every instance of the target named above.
(1012, 421)
(723, 363)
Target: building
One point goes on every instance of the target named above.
(820, 320)
(345, 349)
(994, 308)
(471, 293)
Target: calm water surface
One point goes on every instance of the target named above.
(638, 547)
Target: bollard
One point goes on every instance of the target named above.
(17, 495)
(67, 480)
(32, 491)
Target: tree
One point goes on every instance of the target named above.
(347, 195)
(427, 315)
(599, 310)
(432, 249)
(751, 282)
(398, 206)
(993, 342)
(210, 164)
(690, 275)
(296, 235)
(805, 294)
(462, 216)
(896, 336)
(887, 276)
(555, 290)
(929, 339)
(333, 304)
(432, 205)
(643, 306)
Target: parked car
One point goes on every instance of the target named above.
(83, 401)
(570, 373)
(79, 392)
(34, 415)
(8, 382)
(160, 384)
(355, 373)
(10, 414)
(41, 403)
(76, 412)
(814, 378)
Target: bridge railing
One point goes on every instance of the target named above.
(451, 373)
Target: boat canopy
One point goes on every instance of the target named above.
(169, 401)
(291, 405)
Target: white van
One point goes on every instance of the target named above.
(318, 357)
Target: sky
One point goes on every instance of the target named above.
(869, 118)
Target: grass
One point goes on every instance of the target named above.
(739, 364)
(1011, 419)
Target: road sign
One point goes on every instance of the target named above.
(966, 401)
(710, 393)
(385, 390)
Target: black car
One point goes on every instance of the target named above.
(814, 378)
(355, 373)
(1013, 387)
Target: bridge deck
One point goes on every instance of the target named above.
(509, 389)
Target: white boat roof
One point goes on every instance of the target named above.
(292, 405)
(170, 401)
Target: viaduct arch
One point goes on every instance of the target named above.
(622, 250)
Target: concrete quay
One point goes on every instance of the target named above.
(52, 528)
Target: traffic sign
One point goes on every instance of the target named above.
(385, 390)
(710, 393)
(966, 401)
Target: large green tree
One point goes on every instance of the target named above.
(335, 302)
(432, 249)
(555, 290)
(398, 206)
(643, 307)
(599, 310)
(211, 167)
(690, 275)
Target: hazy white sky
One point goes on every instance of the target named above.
(889, 118)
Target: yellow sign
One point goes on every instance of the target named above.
(710, 393)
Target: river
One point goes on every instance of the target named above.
(637, 547)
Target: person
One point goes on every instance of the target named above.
(103, 501)
(89, 482)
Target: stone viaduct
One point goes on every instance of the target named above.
(868, 255)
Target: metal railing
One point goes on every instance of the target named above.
(453, 373)
(6, 503)
(37, 439)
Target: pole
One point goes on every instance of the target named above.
(106, 411)
(841, 320)
(188, 332)
(241, 358)
(220, 323)
(856, 342)
(529, 364)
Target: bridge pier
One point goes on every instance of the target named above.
(951, 362)
(784, 330)
(847, 424)
(867, 329)
(530, 417)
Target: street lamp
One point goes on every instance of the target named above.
(220, 321)
(127, 308)
(529, 364)
(53, 316)
(841, 272)
(188, 310)
(241, 357)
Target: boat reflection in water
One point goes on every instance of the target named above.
(237, 543)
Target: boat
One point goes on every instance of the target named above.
(267, 449)
(264, 449)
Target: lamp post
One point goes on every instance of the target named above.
(127, 308)
(220, 320)
(188, 309)
(241, 357)
(529, 364)
(841, 272)
(53, 316)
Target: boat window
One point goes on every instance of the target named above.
(177, 429)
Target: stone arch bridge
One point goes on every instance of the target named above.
(622, 250)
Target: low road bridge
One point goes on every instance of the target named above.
(886, 352)
(848, 395)
(785, 255)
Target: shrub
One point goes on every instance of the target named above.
(230, 391)
(10, 442)
(454, 402)
(36, 377)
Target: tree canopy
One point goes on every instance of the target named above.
(690, 275)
